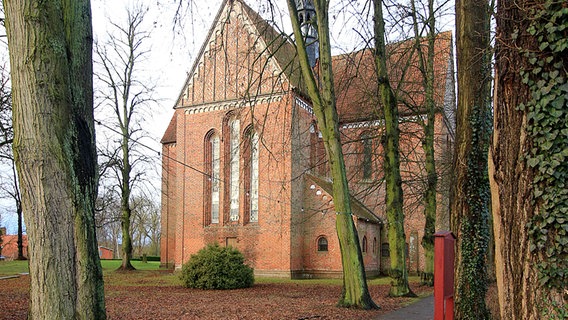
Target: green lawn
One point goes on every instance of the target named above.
(153, 277)
(8, 268)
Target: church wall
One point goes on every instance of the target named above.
(318, 220)
(266, 244)
(168, 220)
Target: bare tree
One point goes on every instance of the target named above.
(127, 97)
(50, 46)
(319, 82)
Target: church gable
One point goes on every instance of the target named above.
(238, 61)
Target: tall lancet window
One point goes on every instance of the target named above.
(367, 161)
(254, 152)
(234, 140)
(212, 181)
(215, 175)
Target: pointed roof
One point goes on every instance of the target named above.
(170, 134)
(270, 44)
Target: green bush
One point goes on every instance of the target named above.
(215, 267)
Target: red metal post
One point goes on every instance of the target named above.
(444, 255)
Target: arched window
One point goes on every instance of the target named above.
(364, 244)
(375, 245)
(234, 167)
(367, 156)
(231, 174)
(251, 155)
(212, 179)
(322, 243)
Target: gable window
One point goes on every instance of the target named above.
(364, 244)
(212, 179)
(322, 244)
(234, 167)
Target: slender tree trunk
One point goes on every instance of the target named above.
(50, 45)
(355, 292)
(394, 199)
(426, 65)
(527, 161)
(125, 203)
(470, 208)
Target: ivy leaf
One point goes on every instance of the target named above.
(533, 162)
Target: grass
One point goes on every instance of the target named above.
(150, 275)
(9, 268)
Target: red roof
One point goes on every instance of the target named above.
(356, 81)
(170, 134)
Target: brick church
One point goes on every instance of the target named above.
(244, 164)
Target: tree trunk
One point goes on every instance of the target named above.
(394, 201)
(50, 46)
(470, 208)
(527, 163)
(355, 292)
(125, 202)
(426, 65)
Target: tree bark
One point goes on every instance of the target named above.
(50, 45)
(470, 208)
(355, 292)
(520, 120)
(394, 197)
(426, 64)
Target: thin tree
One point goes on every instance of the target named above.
(127, 97)
(470, 207)
(319, 83)
(528, 166)
(50, 47)
(426, 66)
(394, 197)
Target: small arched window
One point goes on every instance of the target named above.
(364, 244)
(375, 245)
(322, 244)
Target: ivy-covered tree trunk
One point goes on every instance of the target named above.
(394, 199)
(470, 208)
(528, 162)
(50, 45)
(355, 292)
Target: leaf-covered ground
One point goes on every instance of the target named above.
(158, 295)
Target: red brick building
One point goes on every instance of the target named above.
(9, 246)
(244, 164)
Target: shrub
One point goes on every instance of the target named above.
(215, 267)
